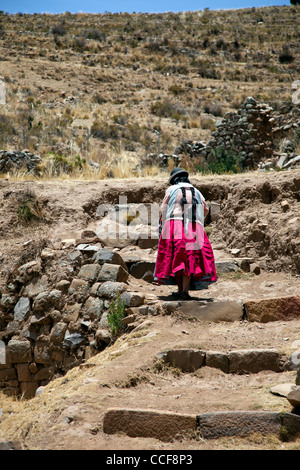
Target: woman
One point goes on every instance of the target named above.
(185, 256)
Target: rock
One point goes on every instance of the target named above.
(93, 307)
(188, 360)
(88, 234)
(28, 389)
(142, 268)
(215, 210)
(217, 360)
(58, 332)
(27, 271)
(106, 256)
(22, 309)
(41, 351)
(282, 390)
(20, 160)
(244, 264)
(89, 272)
(235, 252)
(113, 272)
(281, 161)
(285, 206)
(39, 391)
(238, 423)
(41, 319)
(274, 309)
(46, 300)
(110, 289)
(7, 301)
(73, 340)
(254, 268)
(133, 299)
(71, 313)
(10, 445)
(75, 257)
(293, 361)
(292, 162)
(254, 361)
(8, 374)
(55, 315)
(47, 254)
(79, 288)
(212, 311)
(157, 424)
(63, 285)
(294, 396)
(38, 285)
(103, 336)
(226, 266)
(88, 249)
(24, 374)
(18, 351)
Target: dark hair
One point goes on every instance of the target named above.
(181, 179)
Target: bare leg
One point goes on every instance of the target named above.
(179, 281)
(186, 283)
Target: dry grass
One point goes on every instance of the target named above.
(127, 76)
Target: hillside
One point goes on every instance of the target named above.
(89, 98)
(113, 88)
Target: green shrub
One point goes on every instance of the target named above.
(223, 161)
(116, 315)
(29, 207)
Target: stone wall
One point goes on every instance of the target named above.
(54, 313)
(18, 160)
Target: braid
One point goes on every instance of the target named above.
(194, 204)
(183, 202)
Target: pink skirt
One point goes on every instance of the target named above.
(188, 253)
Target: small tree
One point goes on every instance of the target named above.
(295, 2)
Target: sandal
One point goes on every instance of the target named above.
(185, 296)
(177, 295)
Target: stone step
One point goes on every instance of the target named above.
(260, 310)
(248, 361)
(273, 309)
(165, 425)
(207, 310)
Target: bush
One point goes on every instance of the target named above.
(116, 315)
(59, 30)
(224, 161)
(29, 207)
(286, 56)
(95, 34)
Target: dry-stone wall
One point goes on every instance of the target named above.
(247, 132)
(18, 160)
(54, 313)
(259, 135)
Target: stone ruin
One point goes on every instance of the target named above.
(255, 133)
(247, 133)
(54, 312)
(18, 160)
